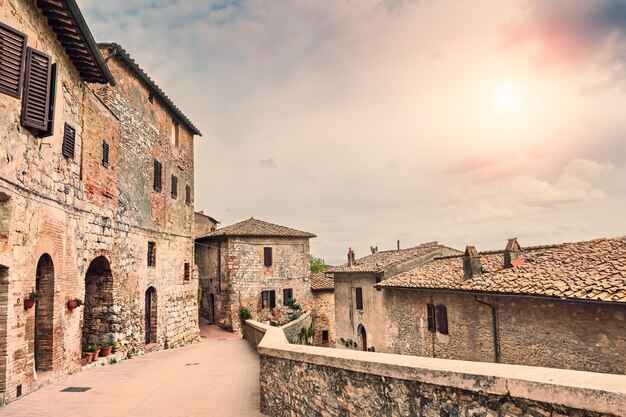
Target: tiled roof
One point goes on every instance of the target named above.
(590, 270)
(254, 227)
(383, 259)
(321, 281)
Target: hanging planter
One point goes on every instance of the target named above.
(72, 304)
(32, 299)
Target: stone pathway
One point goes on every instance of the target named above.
(218, 377)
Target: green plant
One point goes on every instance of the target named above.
(112, 361)
(306, 335)
(92, 347)
(244, 314)
(316, 264)
(35, 295)
(293, 304)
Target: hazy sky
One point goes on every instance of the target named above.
(375, 120)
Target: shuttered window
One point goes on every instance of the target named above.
(105, 154)
(158, 169)
(287, 295)
(36, 100)
(187, 195)
(151, 254)
(12, 58)
(442, 319)
(431, 317)
(267, 256)
(359, 298)
(53, 88)
(187, 272)
(174, 186)
(268, 299)
(69, 141)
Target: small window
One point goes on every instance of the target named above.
(187, 194)
(267, 256)
(174, 186)
(431, 317)
(325, 337)
(151, 254)
(158, 175)
(105, 154)
(378, 279)
(176, 134)
(150, 98)
(442, 319)
(36, 100)
(187, 273)
(359, 298)
(69, 141)
(287, 295)
(268, 299)
(12, 60)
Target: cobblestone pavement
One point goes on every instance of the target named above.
(218, 377)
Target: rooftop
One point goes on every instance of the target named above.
(321, 281)
(590, 270)
(378, 261)
(258, 228)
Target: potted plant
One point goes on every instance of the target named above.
(95, 349)
(72, 304)
(106, 348)
(33, 296)
(85, 358)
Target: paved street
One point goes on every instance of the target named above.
(218, 377)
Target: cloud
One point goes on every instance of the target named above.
(396, 6)
(268, 163)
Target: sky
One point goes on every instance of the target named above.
(371, 121)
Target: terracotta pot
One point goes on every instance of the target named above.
(72, 304)
(95, 354)
(84, 361)
(105, 351)
(28, 303)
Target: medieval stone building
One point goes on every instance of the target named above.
(96, 200)
(252, 264)
(323, 308)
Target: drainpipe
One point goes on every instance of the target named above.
(494, 329)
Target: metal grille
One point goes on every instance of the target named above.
(76, 389)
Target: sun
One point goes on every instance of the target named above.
(507, 98)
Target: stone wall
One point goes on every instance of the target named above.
(312, 381)
(293, 328)
(323, 315)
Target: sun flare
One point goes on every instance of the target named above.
(507, 98)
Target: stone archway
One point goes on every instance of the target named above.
(150, 325)
(44, 314)
(362, 337)
(97, 316)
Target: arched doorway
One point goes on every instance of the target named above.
(44, 313)
(363, 336)
(212, 308)
(97, 317)
(151, 316)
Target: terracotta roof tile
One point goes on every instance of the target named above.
(321, 281)
(254, 227)
(384, 259)
(589, 270)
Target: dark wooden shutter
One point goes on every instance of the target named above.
(53, 88)
(157, 175)
(69, 141)
(187, 195)
(105, 154)
(359, 298)
(442, 319)
(287, 295)
(272, 299)
(267, 256)
(187, 273)
(12, 60)
(431, 317)
(36, 100)
(174, 186)
(151, 254)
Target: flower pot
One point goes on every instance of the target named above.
(105, 351)
(95, 354)
(72, 304)
(28, 303)
(84, 361)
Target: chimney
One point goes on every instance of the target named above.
(471, 263)
(350, 257)
(512, 253)
(398, 244)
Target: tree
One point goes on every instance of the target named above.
(316, 264)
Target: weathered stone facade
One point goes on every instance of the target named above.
(71, 227)
(323, 313)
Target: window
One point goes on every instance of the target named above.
(151, 254)
(12, 60)
(325, 337)
(36, 99)
(174, 186)
(176, 134)
(187, 194)
(53, 88)
(267, 256)
(359, 298)
(287, 295)
(378, 279)
(158, 174)
(105, 154)
(442, 319)
(268, 299)
(431, 317)
(187, 273)
(69, 140)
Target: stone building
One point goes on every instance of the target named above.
(358, 305)
(78, 212)
(323, 308)
(252, 264)
(203, 224)
(560, 306)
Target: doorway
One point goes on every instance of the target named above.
(97, 321)
(151, 316)
(212, 307)
(44, 313)
(363, 336)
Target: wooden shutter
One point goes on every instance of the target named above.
(174, 186)
(36, 100)
(53, 89)
(12, 60)
(272, 299)
(105, 154)
(431, 317)
(267, 256)
(187, 195)
(287, 295)
(187, 272)
(359, 298)
(69, 141)
(442, 319)
(157, 175)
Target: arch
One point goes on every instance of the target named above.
(44, 314)
(98, 319)
(363, 336)
(150, 312)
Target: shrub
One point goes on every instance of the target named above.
(244, 314)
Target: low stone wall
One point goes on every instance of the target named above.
(292, 329)
(313, 381)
